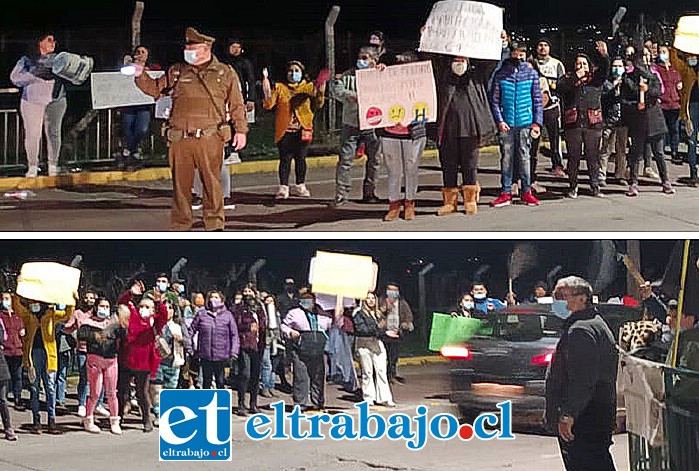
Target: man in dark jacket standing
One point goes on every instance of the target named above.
(399, 323)
(581, 381)
(246, 73)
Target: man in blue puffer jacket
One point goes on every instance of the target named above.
(516, 103)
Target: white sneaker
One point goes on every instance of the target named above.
(300, 190)
(538, 187)
(53, 170)
(282, 192)
(82, 411)
(33, 172)
(228, 203)
(650, 173)
(102, 412)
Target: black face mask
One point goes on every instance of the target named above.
(291, 289)
(249, 299)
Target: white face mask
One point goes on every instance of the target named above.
(459, 68)
(479, 296)
(190, 56)
(145, 312)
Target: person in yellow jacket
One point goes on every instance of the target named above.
(689, 105)
(296, 101)
(40, 355)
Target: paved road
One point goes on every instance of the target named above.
(144, 206)
(77, 451)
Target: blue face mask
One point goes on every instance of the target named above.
(480, 296)
(35, 308)
(306, 304)
(692, 62)
(617, 72)
(181, 289)
(6, 304)
(664, 57)
(162, 287)
(362, 64)
(560, 309)
(103, 312)
(294, 77)
(468, 305)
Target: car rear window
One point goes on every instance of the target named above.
(519, 327)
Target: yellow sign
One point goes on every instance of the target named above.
(48, 282)
(350, 276)
(687, 34)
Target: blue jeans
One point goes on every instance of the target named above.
(166, 377)
(692, 154)
(39, 361)
(136, 126)
(515, 149)
(267, 376)
(61, 376)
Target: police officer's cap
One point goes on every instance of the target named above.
(192, 36)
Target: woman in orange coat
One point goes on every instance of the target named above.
(296, 101)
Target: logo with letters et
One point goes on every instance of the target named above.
(195, 425)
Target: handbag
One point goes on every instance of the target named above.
(162, 346)
(571, 116)
(306, 135)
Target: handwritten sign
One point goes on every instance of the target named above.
(400, 94)
(350, 276)
(687, 34)
(466, 29)
(48, 282)
(114, 90)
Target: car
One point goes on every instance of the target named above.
(508, 357)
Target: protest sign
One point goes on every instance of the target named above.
(48, 282)
(401, 94)
(328, 302)
(687, 34)
(349, 276)
(448, 330)
(114, 90)
(466, 29)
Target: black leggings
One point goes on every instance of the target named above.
(459, 153)
(249, 366)
(291, 147)
(142, 379)
(210, 369)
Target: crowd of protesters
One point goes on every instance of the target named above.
(621, 107)
(149, 339)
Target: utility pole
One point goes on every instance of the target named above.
(330, 56)
(423, 299)
(136, 25)
(633, 249)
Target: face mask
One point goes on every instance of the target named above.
(306, 304)
(290, 289)
(664, 57)
(375, 42)
(362, 64)
(145, 312)
(103, 312)
(181, 289)
(468, 305)
(294, 77)
(692, 62)
(617, 71)
(215, 303)
(89, 303)
(250, 299)
(392, 294)
(560, 309)
(35, 308)
(6, 304)
(479, 296)
(459, 68)
(162, 287)
(629, 70)
(519, 60)
(190, 57)
(504, 44)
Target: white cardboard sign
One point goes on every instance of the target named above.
(114, 90)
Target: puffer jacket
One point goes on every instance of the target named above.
(35, 78)
(515, 96)
(218, 335)
(244, 316)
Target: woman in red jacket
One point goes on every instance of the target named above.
(251, 321)
(148, 316)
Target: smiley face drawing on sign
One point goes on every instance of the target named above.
(374, 116)
(420, 112)
(396, 114)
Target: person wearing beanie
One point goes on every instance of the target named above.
(553, 69)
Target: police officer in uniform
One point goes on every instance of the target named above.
(206, 96)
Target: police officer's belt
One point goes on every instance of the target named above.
(176, 135)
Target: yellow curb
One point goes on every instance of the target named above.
(163, 173)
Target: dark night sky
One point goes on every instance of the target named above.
(399, 18)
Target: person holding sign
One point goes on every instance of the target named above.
(43, 104)
(207, 112)
(40, 354)
(344, 89)
(296, 100)
(516, 103)
(464, 124)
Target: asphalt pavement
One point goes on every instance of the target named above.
(77, 450)
(144, 206)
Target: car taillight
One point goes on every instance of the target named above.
(542, 360)
(455, 352)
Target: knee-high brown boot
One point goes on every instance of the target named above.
(450, 197)
(470, 193)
